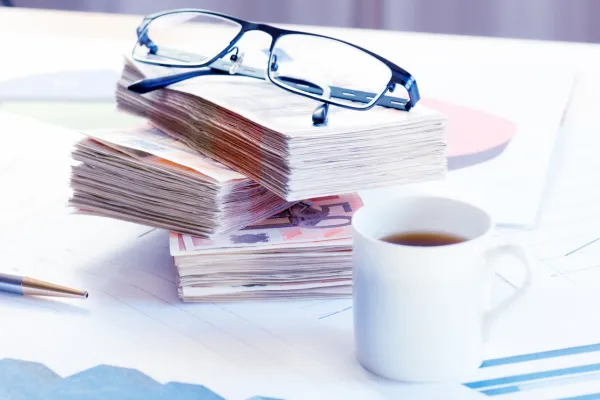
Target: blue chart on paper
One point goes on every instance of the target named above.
(24, 380)
(540, 378)
(20, 380)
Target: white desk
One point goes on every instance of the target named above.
(237, 350)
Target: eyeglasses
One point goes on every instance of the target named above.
(329, 70)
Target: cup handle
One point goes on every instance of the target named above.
(492, 256)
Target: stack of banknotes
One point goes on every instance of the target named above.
(257, 199)
(304, 252)
(267, 134)
(144, 176)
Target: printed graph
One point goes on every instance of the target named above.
(557, 372)
(474, 136)
(24, 380)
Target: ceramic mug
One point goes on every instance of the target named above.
(421, 313)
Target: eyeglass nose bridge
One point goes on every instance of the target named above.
(272, 31)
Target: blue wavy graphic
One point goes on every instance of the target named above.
(20, 380)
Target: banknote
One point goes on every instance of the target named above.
(280, 287)
(167, 151)
(122, 174)
(178, 248)
(310, 222)
(267, 134)
(260, 101)
(264, 279)
(304, 252)
(192, 294)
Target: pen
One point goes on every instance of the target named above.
(29, 286)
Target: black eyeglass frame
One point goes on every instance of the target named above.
(399, 76)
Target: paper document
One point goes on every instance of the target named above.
(564, 373)
(566, 243)
(501, 140)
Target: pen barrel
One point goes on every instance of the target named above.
(11, 284)
(35, 287)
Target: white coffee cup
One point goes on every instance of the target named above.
(421, 313)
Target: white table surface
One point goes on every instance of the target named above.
(122, 262)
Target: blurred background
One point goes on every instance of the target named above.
(565, 20)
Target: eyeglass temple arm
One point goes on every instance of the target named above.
(222, 67)
(150, 84)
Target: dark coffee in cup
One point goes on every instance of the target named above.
(423, 239)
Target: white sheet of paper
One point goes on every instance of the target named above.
(510, 185)
(60, 68)
(551, 344)
(565, 243)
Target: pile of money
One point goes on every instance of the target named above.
(267, 134)
(144, 176)
(304, 252)
(258, 200)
